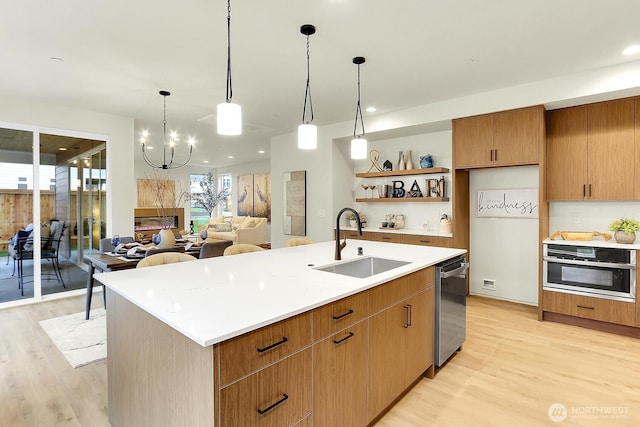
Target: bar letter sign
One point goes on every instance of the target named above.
(508, 203)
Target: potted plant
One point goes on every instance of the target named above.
(625, 230)
(351, 217)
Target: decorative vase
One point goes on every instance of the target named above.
(401, 165)
(167, 239)
(409, 161)
(426, 161)
(622, 237)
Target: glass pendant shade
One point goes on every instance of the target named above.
(358, 148)
(307, 137)
(229, 119)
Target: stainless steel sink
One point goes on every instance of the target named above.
(363, 267)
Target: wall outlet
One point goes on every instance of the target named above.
(489, 284)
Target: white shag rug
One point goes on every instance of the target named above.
(80, 341)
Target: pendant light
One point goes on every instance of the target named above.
(359, 142)
(229, 114)
(173, 138)
(307, 132)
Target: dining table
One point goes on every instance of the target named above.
(102, 262)
(112, 261)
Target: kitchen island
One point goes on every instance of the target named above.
(267, 339)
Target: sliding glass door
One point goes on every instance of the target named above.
(51, 210)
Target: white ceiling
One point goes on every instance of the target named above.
(118, 54)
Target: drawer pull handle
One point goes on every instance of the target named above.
(275, 344)
(409, 315)
(585, 307)
(344, 339)
(264, 411)
(386, 238)
(343, 315)
(425, 241)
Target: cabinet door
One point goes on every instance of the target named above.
(611, 150)
(517, 135)
(339, 379)
(637, 163)
(419, 334)
(386, 373)
(282, 392)
(567, 154)
(473, 142)
(604, 310)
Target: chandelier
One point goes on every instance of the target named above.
(173, 139)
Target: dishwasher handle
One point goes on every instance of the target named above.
(456, 272)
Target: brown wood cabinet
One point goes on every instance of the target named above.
(507, 138)
(279, 395)
(339, 378)
(415, 239)
(399, 237)
(604, 310)
(331, 318)
(246, 353)
(583, 152)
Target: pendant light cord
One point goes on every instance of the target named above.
(307, 93)
(358, 110)
(164, 131)
(229, 87)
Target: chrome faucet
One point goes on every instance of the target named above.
(340, 246)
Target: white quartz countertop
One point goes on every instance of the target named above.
(215, 299)
(598, 242)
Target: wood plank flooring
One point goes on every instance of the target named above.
(512, 368)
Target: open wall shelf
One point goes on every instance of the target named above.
(401, 172)
(404, 199)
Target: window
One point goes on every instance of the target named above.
(226, 183)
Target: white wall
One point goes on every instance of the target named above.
(503, 249)
(589, 215)
(117, 130)
(438, 144)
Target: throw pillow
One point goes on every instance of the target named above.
(21, 234)
(248, 223)
(222, 227)
(45, 234)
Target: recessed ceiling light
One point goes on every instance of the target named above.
(55, 58)
(206, 161)
(149, 148)
(62, 149)
(230, 157)
(371, 109)
(631, 50)
(261, 151)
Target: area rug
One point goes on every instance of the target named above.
(80, 341)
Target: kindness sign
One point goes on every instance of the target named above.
(507, 203)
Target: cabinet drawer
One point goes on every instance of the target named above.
(414, 239)
(246, 353)
(350, 234)
(339, 314)
(279, 395)
(619, 312)
(386, 295)
(387, 237)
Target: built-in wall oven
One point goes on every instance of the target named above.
(603, 272)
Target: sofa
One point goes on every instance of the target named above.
(238, 229)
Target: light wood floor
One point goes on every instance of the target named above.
(512, 368)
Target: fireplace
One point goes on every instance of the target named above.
(147, 221)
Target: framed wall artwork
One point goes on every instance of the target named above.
(254, 195)
(245, 195)
(295, 203)
(507, 203)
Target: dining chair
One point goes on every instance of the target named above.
(164, 258)
(213, 249)
(299, 241)
(242, 248)
(106, 246)
(50, 251)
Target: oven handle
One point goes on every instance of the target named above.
(457, 272)
(589, 263)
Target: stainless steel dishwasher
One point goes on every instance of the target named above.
(451, 308)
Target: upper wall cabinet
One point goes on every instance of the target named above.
(590, 152)
(508, 138)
